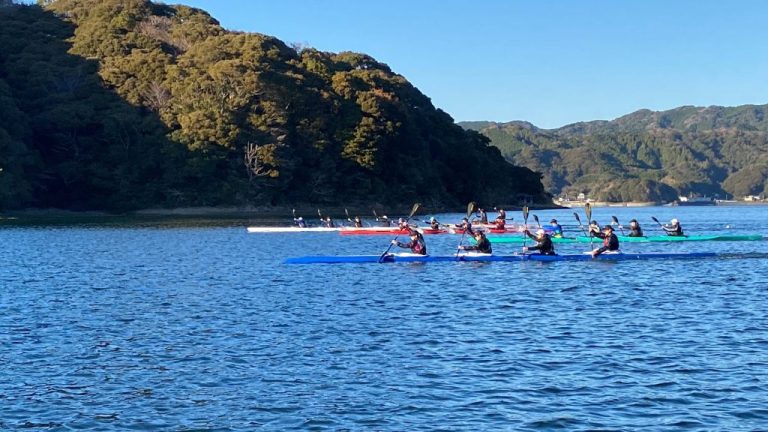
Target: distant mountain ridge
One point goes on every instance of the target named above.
(645, 155)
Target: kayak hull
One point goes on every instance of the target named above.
(395, 258)
(264, 230)
(651, 239)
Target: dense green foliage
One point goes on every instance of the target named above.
(646, 155)
(121, 104)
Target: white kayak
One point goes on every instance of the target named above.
(256, 229)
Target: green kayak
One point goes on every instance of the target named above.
(582, 239)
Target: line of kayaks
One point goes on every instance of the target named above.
(627, 239)
(380, 230)
(476, 257)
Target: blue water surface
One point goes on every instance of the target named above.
(115, 327)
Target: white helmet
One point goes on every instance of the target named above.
(674, 221)
(300, 218)
(432, 219)
(540, 232)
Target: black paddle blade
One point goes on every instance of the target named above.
(615, 220)
(578, 219)
(655, 220)
(588, 211)
(374, 214)
(471, 207)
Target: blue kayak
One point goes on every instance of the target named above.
(395, 258)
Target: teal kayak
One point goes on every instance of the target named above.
(583, 239)
(395, 258)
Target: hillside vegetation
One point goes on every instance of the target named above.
(646, 155)
(125, 104)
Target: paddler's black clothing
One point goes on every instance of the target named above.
(610, 242)
(328, 222)
(673, 230)
(636, 231)
(483, 245)
(544, 246)
(358, 223)
(384, 222)
(483, 216)
(300, 223)
(417, 246)
(434, 224)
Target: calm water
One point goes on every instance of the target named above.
(135, 327)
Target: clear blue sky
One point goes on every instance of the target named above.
(548, 62)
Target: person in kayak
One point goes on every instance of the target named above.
(416, 245)
(543, 243)
(556, 228)
(482, 215)
(673, 228)
(434, 223)
(482, 244)
(328, 222)
(384, 220)
(610, 241)
(634, 229)
(464, 225)
(501, 219)
(594, 229)
(299, 221)
(357, 222)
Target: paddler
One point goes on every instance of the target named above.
(328, 222)
(610, 241)
(464, 225)
(673, 228)
(299, 221)
(634, 229)
(384, 220)
(482, 244)
(482, 215)
(357, 222)
(556, 228)
(501, 219)
(402, 224)
(543, 243)
(433, 223)
(416, 245)
(594, 229)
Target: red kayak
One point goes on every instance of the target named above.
(372, 231)
(434, 231)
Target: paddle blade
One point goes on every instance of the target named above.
(471, 207)
(655, 220)
(615, 220)
(294, 212)
(414, 210)
(588, 211)
(525, 214)
(320, 215)
(536, 218)
(578, 219)
(374, 214)
(346, 212)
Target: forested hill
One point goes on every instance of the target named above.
(646, 155)
(125, 104)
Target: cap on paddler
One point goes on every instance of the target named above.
(607, 227)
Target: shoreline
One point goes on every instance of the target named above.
(244, 212)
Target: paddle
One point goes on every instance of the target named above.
(578, 219)
(616, 222)
(295, 222)
(588, 212)
(660, 225)
(536, 218)
(413, 211)
(525, 225)
(470, 209)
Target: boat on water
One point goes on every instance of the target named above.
(478, 257)
(584, 239)
(293, 229)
